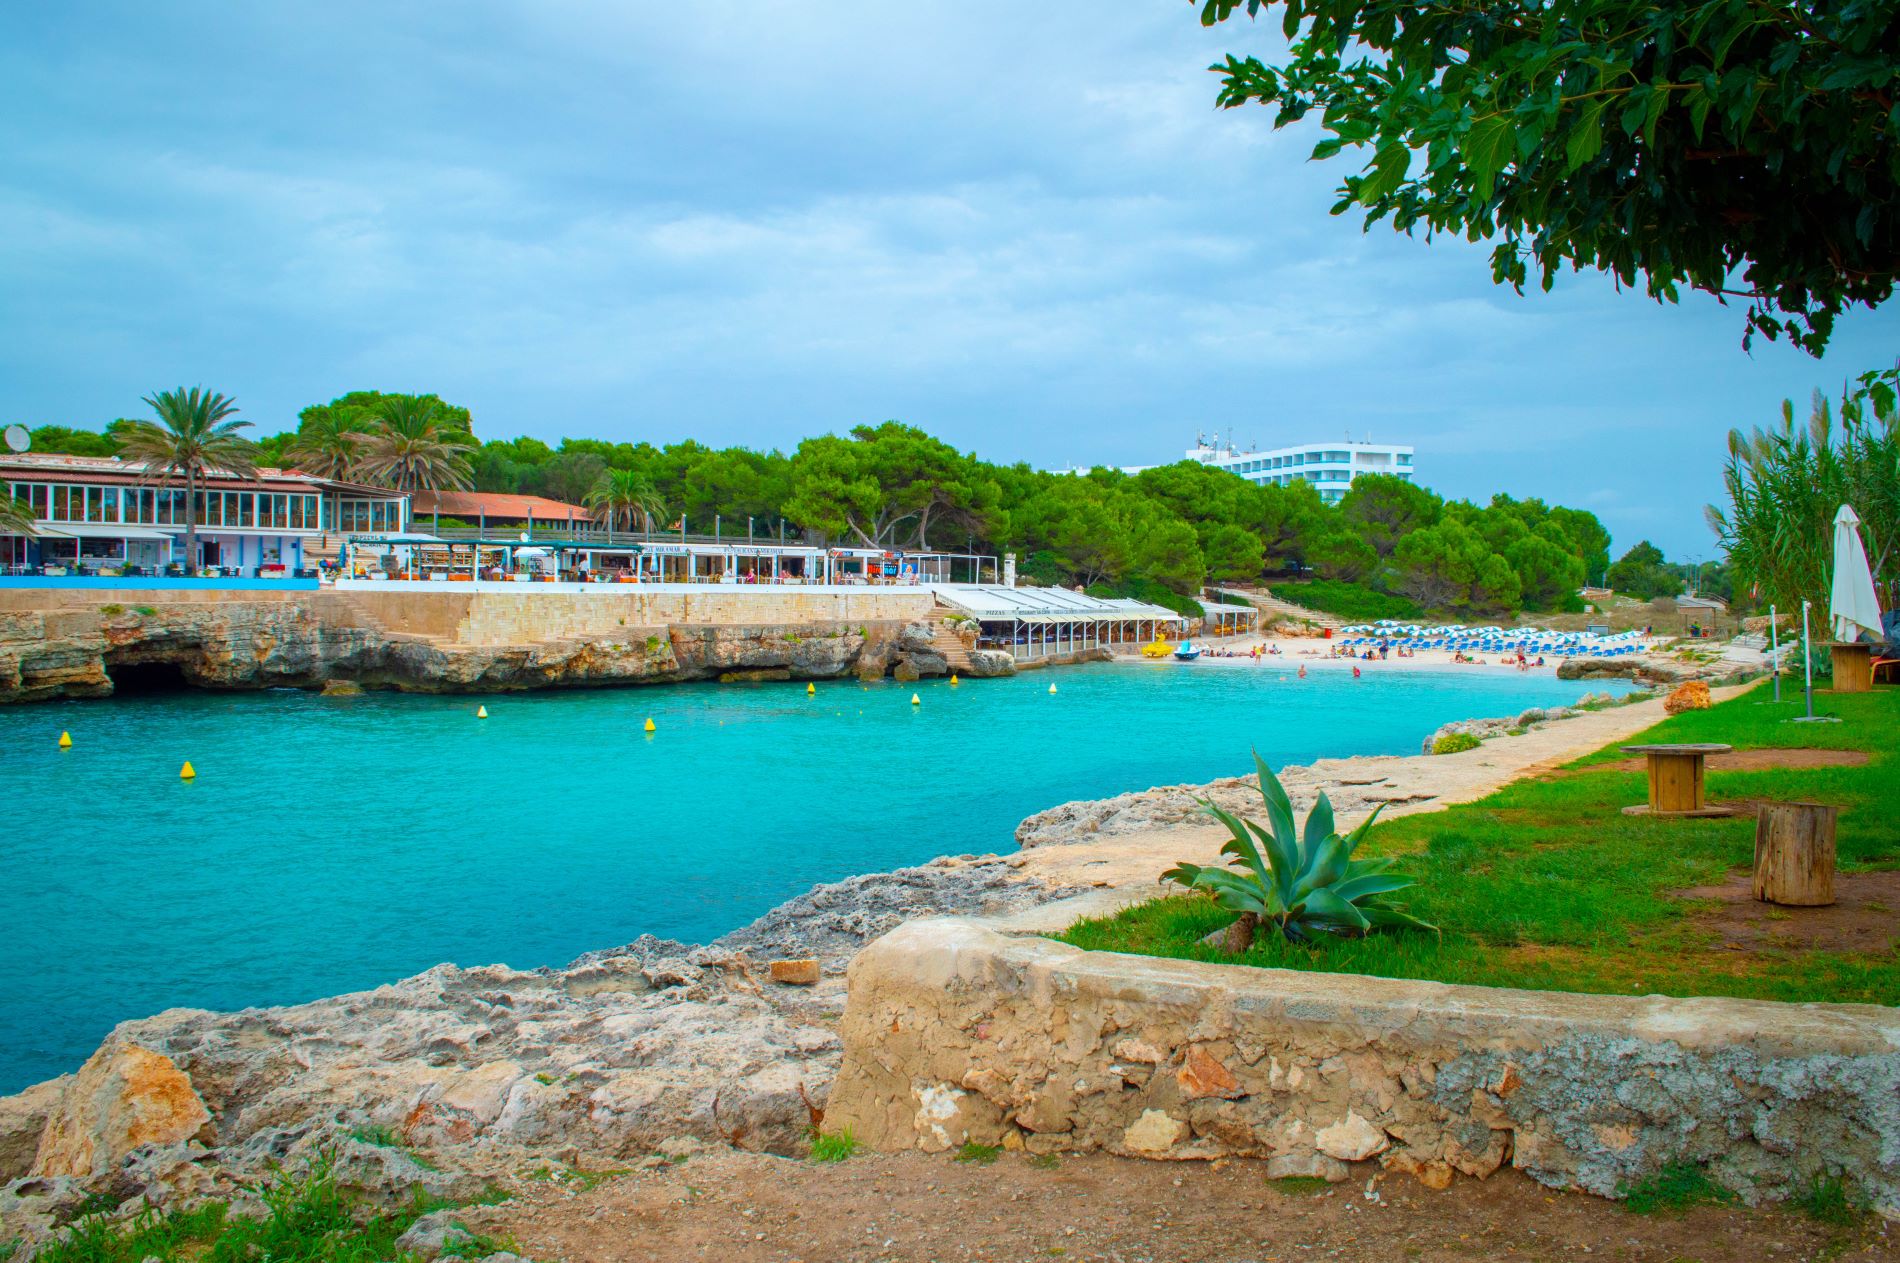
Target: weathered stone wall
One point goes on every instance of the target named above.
(522, 618)
(955, 1033)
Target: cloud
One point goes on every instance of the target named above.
(1026, 228)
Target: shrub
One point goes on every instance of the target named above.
(1455, 743)
(1347, 600)
(1307, 882)
(111, 611)
(834, 1146)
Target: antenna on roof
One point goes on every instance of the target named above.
(18, 440)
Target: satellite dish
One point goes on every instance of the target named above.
(18, 440)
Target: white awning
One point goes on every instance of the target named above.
(99, 530)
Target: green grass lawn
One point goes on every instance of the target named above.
(1546, 884)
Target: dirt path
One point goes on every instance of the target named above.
(1124, 867)
(908, 1208)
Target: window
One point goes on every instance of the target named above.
(246, 507)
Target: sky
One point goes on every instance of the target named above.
(1024, 228)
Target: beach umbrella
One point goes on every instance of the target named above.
(1854, 606)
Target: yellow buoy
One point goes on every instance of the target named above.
(481, 712)
(811, 690)
(953, 679)
(65, 740)
(1052, 688)
(187, 772)
(650, 727)
(916, 700)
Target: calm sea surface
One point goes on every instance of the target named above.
(331, 844)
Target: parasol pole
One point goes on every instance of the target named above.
(1774, 652)
(1807, 659)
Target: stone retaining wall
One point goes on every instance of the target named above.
(956, 1033)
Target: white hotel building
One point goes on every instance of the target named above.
(1330, 467)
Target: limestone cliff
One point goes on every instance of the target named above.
(306, 640)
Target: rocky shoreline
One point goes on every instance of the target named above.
(328, 641)
(459, 1078)
(652, 1047)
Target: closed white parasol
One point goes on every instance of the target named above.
(1854, 606)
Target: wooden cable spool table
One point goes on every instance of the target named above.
(1675, 781)
(1853, 666)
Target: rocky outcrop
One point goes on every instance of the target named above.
(1350, 784)
(957, 1034)
(322, 640)
(622, 1052)
(909, 652)
(1523, 721)
(1654, 668)
(991, 664)
(126, 1096)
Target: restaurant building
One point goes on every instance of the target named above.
(103, 514)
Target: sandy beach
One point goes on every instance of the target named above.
(1291, 653)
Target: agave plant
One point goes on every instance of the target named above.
(1299, 882)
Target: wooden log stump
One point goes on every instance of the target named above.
(1794, 854)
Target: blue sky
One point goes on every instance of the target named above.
(1024, 228)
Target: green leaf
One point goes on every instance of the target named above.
(1241, 847)
(1657, 103)
(1358, 888)
(1326, 866)
(1699, 108)
(1284, 854)
(1325, 906)
(1489, 145)
(1319, 823)
(1384, 918)
(1358, 835)
(1389, 166)
(1279, 806)
(1586, 134)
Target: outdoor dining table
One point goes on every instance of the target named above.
(1675, 780)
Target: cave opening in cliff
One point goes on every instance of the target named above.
(146, 677)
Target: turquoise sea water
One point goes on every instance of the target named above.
(331, 844)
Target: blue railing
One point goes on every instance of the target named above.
(105, 583)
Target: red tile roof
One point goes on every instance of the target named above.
(469, 505)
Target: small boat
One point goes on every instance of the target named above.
(1186, 652)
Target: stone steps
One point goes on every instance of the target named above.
(363, 614)
(1267, 603)
(951, 646)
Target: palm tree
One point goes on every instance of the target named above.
(329, 444)
(411, 450)
(625, 493)
(16, 518)
(191, 440)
